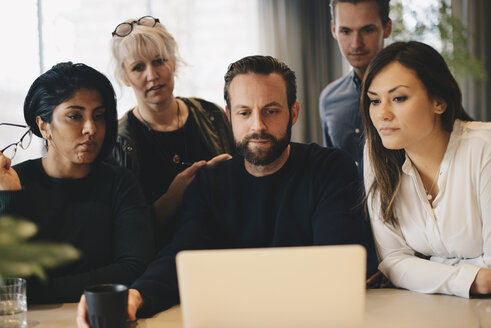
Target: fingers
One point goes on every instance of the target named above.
(134, 302)
(374, 277)
(82, 313)
(218, 159)
(385, 283)
(191, 171)
(380, 279)
(4, 162)
(186, 176)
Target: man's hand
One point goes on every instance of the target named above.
(9, 180)
(135, 301)
(82, 313)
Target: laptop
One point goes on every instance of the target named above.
(298, 287)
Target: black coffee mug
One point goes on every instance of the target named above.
(107, 305)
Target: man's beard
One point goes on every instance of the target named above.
(260, 157)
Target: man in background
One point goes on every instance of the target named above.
(360, 28)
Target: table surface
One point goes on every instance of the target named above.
(384, 308)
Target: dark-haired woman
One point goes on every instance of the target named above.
(428, 176)
(70, 194)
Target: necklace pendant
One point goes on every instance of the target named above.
(429, 196)
(176, 159)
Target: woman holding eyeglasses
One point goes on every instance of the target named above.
(70, 194)
(163, 135)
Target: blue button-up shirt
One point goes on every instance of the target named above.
(341, 119)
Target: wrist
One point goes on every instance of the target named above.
(165, 207)
(482, 283)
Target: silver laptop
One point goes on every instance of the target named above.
(298, 287)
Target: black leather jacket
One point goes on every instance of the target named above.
(210, 119)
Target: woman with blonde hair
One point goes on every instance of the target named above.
(164, 139)
(428, 174)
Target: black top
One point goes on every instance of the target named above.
(104, 215)
(312, 200)
(158, 150)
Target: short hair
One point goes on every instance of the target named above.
(383, 8)
(264, 65)
(59, 84)
(144, 42)
(431, 69)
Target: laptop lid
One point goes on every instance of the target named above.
(312, 286)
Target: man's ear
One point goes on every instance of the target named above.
(294, 112)
(440, 106)
(44, 128)
(388, 29)
(227, 111)
(333, 30)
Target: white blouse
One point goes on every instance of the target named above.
(455, 232)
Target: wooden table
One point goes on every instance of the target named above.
(384, 308)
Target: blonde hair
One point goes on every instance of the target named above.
(144, 42)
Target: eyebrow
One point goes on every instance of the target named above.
(361, 28)
(240, 106)
(271, 104)
(133, 62)
(391, 90)
(83, 108)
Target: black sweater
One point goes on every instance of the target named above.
(314, 199)
(104, 215)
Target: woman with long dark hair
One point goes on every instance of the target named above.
(428, 174)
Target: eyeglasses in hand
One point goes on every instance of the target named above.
(125, 28)
(24, 141)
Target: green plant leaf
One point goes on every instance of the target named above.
(20, 257)
(14, 229)
(450, 31)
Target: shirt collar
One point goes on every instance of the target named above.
(407, 166)
(356, 79)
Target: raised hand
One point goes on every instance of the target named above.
(217, 159)
(9, 180)
(169, 202)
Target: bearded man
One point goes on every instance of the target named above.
(273, 193)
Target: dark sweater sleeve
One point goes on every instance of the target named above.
(340, 217)
(158, 285)
(14, 203)
(339, 214)
(133, 249)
